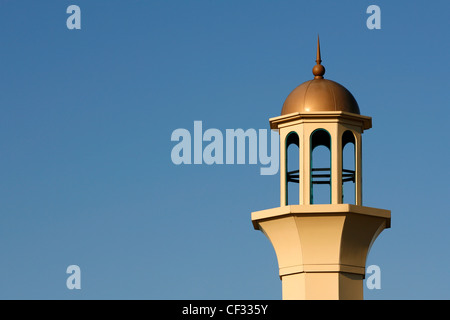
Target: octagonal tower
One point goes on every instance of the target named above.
(321, 242)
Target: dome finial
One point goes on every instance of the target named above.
(318, 59)
(318, 70)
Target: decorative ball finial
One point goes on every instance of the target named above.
(318, 70)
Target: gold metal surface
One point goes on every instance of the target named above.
(318, 70)
(320, 94)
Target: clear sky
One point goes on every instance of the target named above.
(86, 118)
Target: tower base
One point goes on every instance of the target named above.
(322, 249)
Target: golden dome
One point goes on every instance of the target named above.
(320, 94)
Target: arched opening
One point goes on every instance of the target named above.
(320, 167)
(292, 168)
(348, 168)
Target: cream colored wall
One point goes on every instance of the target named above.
(316, 243)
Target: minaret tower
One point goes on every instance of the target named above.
(321, 232)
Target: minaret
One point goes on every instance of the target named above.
(323, 236)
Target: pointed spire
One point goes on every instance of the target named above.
(318, 70)
(318, 59)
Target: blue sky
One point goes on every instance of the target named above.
(86, 117)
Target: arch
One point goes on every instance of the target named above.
(348, 137)
(348, 167)
(292, 145)
(320, 153)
